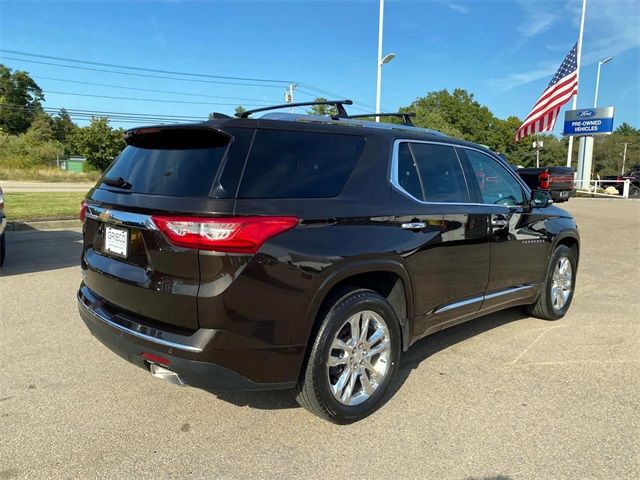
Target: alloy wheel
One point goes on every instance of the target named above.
(562, 283)
(359, 358)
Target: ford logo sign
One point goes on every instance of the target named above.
(586, 113)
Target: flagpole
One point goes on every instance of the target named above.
(579, 54)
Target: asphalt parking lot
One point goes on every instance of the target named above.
(502, 397)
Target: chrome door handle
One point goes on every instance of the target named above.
(499, 222)
(413, 225)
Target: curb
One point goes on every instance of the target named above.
(43, 225)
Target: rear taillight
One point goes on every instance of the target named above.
(223, 234)
(83, 211)
(543, 180)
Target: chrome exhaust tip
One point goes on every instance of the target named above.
(165, 374)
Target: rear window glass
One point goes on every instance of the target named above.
(173, 165)
(288, 164)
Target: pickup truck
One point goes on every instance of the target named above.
(633, 176)
(558, 181)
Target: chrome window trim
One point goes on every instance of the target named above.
(396, 184)
(143, 336)
(119, 217)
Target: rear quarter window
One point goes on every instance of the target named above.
(294, 164)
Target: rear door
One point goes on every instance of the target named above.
(126, 260)
(519, 243)
(445, 250)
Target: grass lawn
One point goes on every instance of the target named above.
(42, 205)
(46, 174)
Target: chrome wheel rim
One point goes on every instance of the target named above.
(562, 283)
(359, 358)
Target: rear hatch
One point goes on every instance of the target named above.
(127, 259)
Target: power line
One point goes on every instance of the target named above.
(148, 89)
(140, 69)
(142, 74)
(109, 114)
(306, 85)
(149, 99)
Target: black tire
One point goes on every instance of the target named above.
(313, 391)
(3, 248)
(634, 192)
(544, 308)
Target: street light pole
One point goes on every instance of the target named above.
(600, 63)
(585, 149)
(379, 80)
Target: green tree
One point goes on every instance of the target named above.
(608, 152)
(240, 109)
(626, 129)
(322, 110)
(64, 130)
(42, 128)
(20, 98)
(99, 143)
(456, 114)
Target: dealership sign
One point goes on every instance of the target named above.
(588, 121)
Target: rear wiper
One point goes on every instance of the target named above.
(117, 182)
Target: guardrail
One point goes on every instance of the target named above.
(591, 187)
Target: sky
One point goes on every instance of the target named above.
(504, 52)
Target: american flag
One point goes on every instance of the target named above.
(562, 87)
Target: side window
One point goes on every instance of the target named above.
(408, 177)
(296, 164)
(496, 185)
(440, 173)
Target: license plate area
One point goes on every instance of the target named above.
(564, 194)
(116, 241)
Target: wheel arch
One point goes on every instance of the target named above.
(569, 239)
(388, 278)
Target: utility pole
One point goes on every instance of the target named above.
(288, 94)
(538, 144)
(624, 158)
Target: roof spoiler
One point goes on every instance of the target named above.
(339, 104)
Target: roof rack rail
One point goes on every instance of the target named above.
(339, 104)
(406, 116)
(217, 115)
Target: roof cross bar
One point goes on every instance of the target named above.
(406, 116)
(339, 104)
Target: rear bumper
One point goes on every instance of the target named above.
(187, 355)
(562, 195)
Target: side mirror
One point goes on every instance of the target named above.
(541, 199)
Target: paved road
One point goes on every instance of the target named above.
(11, 186)
(502, 397)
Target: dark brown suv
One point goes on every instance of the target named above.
(304, 252)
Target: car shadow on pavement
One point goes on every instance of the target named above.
(432, 344)
(410, 360)
(33, 251)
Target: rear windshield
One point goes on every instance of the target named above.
(173, 164)
(290, 164)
